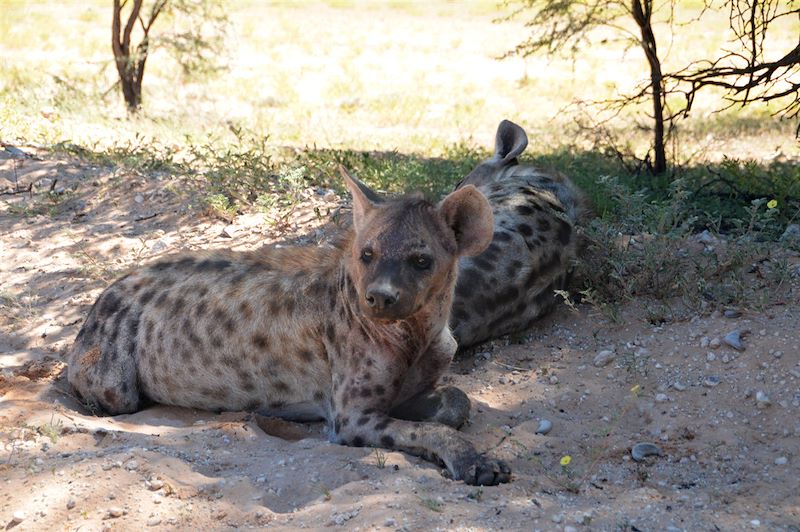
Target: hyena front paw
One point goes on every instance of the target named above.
(485, 471)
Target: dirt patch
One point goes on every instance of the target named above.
(726, 421)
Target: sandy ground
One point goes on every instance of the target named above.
(727, 421)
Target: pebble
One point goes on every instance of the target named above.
(114, 512)
(557, 518)
(133, 465)
(679, 386)
(714, 343)
(762, 399)
(641, 450)
(711, 357)
(732, 313)
(17, 518)
(569, 528)
(544, 427)
(553, 379)
(704, 341)
(155, 484)
(781, 460)
(661, 398)
(734, 339)
(777, 354)
(154, 521)
(710, 381)
(71, 503)
(138, 198)
(603, 358)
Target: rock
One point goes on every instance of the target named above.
(138, 198)
(230, 231)
(114, 512)
(781, 460)
(791, 234)
(132, 465)
(679, 386)
(17, 517)
(155, 484)
(642, 450)
(762, 399)
(732, 313)
(553, 379)
(71, 503)
(154, 521)
(557, 518)
(603, 358)
(714, 343)
(710, 381)
(544, 427)
(734, 339)
(661, 398)
(711, 357)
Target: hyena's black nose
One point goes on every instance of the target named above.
(381, 298)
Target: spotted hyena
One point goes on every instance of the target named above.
(510, 285)
(353, 333)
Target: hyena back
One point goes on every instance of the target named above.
(511, 284)
(355, 333)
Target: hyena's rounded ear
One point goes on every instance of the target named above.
(364, 199)
(509, 142)
(469, 215)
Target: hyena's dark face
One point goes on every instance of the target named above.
(404, 256)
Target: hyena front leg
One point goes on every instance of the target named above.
(432, 441)
(421, 400)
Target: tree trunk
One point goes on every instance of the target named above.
(642, 14)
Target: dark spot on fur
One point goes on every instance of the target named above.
(162, 298)
(358, 441)
(524, 210)
(109, 304)
(260, 341)
(280, 386)
(366, 392)
(379, 390)
(564, 233)
(307, 356)
(209, 265)
(387, 441)
(413, 436)
(245, 309)
(147, 296)
(543, 224)
(363, 420)
(525, 229)
(177, 305)
(460, 313)
(216, 341)
(385, 422)
(319, 396)
(483, 264)
(200, 309)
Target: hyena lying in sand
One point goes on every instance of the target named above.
(355, 333)
(511, 284)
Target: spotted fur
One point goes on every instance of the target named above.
(511, 284)
(354, 333)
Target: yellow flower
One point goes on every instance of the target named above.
(771, 204)
(635, 389)
(565, 460)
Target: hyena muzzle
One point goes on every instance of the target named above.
(353, 333)
(512, 283)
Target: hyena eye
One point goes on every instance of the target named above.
(366, 255)
(421, 262)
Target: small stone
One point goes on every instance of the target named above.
(71, 503)
(711, 357)
(155, 484)
(230, 231)
(710, 381)
(704, 341)
(762, 399)
(777, 354)
(17, 517)
(755, 523)
(781, 460)
(734, 340)
(679, 386)
(661, 398)
(603, 358)
(154, 521)
(138, 198)
(557, 518)
(553, 379)
(114, 512)
(791, 234)
(569, 528)
(732, 313)
(133, 465)
(642, 450)
(544, 427)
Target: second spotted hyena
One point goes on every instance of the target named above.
(511, 284)
(355, 333)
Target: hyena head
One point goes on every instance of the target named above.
(405, 250)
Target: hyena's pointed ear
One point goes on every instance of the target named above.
(509, 142)
(364, 199)
(469, 215)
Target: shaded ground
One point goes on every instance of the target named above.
(730, 456)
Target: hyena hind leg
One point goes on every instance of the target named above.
(447, 405)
